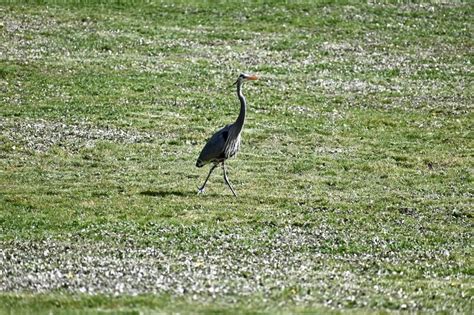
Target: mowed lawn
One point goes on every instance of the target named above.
(354, 181)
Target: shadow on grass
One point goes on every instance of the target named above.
(165, 193)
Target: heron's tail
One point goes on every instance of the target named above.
(200, 163)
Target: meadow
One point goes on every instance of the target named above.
(354, 180)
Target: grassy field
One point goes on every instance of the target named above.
(355, 178)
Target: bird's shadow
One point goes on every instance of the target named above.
(178, 193)
(164, 193)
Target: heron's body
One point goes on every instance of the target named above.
(225, 143)
(219, 147)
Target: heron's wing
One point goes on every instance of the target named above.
(215, 146)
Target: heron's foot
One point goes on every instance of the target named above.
(200, 190)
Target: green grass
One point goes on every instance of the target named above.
(354, 179)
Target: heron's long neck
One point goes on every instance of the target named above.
(239, 123)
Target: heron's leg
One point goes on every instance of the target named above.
(201, 190)
(227, 180)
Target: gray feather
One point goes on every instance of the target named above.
(214, 150)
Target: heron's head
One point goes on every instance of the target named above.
(245, 77)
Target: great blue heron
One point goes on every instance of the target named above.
(225, 143)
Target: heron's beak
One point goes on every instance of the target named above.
(252, 77)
